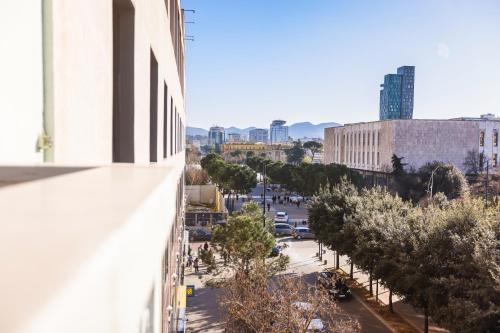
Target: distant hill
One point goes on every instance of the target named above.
(196, 131)
(296, 131)
(306, 129)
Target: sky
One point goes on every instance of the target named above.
(253, 61)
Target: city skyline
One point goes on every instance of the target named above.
(260, 62)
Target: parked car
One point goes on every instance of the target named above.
(326, 279)
(303, 233)
(281, 217)
(340, 292)
(283, 229)
(198, 235)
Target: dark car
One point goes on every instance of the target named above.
(198, 235)
(340, 292)
(326, 279)
(275, 251)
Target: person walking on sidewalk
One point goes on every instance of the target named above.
(196, 265)
(205, 246)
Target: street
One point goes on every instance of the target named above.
(203, 312)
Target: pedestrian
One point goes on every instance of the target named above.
(298, 204)
(190, 261)
(295, 224)
(189, 250)
(199, 250)
(205, 246)
(268, 206)
(196, 265)
(237, 197)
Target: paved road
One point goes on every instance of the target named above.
(294, 212)
(303, 261)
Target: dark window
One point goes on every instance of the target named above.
(495, 139)
(123, 81)
(481, 139)
(165, 120)
(171, 126)
(494, 160)
(153, 109)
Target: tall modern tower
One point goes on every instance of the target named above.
(396, 96)
(278, 131)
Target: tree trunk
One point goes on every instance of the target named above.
(337, 265)
(390, 301)
(426, 321)
(351, 274)
(371, 283)
(376, 290)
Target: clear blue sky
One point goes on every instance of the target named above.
(323, 60)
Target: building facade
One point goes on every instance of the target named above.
(258, 135)
(278, 132)
(235, 137)
(370, 146)
(397, 94)
(275, 152)
(216, 135)
(91, 166)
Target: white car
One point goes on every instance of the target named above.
(281, 217)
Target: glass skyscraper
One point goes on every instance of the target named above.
(396, 96)
(278, 131)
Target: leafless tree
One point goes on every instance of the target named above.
(258, 303)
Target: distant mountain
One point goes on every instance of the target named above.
(196, 131)
(243, 131)
(308, 130)
(296, 131)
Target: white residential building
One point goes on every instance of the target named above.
(91, 165)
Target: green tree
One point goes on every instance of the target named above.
(443, 177)
(244, 239)
(295, 155)
(327, 215)
(314, 147)
(398, 167)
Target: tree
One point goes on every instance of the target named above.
(253, 303)
(474, 162)
(196, 176)
(443, 177)
(314, 147)
(296, 154)
(327, 217)
(244, 239)
(398, 167)
(193, 155)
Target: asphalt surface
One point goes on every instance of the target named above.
(204, 315)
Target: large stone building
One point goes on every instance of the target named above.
(370, 146)
(91, 165)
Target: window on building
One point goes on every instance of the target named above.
(481, 139)
(494, 161)
(378, 158)
(165, 120)
(153, 108)
(171, 126)
(123, 81)
(495, 138)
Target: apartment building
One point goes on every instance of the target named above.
(92, 118)
(370, 146)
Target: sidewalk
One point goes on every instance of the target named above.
(408, 312)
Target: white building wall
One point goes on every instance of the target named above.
(21, 81)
